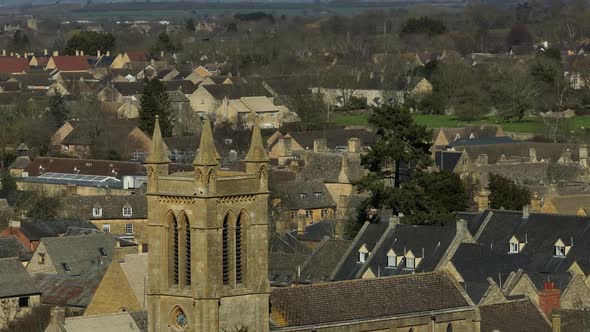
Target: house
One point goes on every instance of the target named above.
(337, 140)
(569, 205)
(13, 65)
(30, 233)
(374, 304)
(122, 110)
(121, 91)
(443, 137)
(77, 255)
(124, 136)
(33, 81)
(516, 253)
(127, 58)
(68, 63)
(207, 98)
(517, 315)
(240, 112)
(123, 216)
(122, 287)
(21, 162)
(18, 291)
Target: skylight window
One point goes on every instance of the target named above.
(66, 267)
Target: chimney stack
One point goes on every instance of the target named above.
(45, 52)
(483, 200)
(525, 212)
(461, 226)
(535, 203)
(301, 221)
(98, 53)
(3, 52)
(394, 220)
(354, 145)
(55, 53)
(482, 160)
(556, 322)
(549, 298)
(119, 253)
(532, 155)
(82, 53)
(584, 155)
(320, 145)
(57, 319)
(77, 53)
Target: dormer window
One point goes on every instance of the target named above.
(127, 210)
(303, 196)
(97, 211)
(392, 259)
(363, 254)
(513, 248)
(410, 263)
(560, 249)
(318, 195)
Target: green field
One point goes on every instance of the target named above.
(576, 124)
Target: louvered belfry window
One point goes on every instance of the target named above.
(175, 252)
(225, 249)
(188, 253)
(239, 252)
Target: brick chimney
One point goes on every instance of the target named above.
(549, 298)
(57, 319)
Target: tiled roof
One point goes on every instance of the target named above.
(36, 229)
(305, 195)
(186, 87)
(14, 279)
(327, 166)
(335, 302)
(574, 320)
(235, 91)
(119, 131)
(71, 63)
(334, 138)
(129, 88)
(11, 65)
(10, 246)
(65, 290)
(521, 316)
(85, 255)
(137, 56)
(112, 206)
(322, 262)
(282, 267)
(85, 166)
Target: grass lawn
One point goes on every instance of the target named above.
(576, 124)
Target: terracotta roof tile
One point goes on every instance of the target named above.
(71, 63)
(13, 65)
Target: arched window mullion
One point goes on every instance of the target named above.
(188, 253)
(225, 251)
(175, 252)
(239, 251)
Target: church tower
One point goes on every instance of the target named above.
(208, 236)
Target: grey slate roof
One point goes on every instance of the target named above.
(327, 166)
(546, 151)
(14, 279)
(282, 267)
(10, 246)
(427, 242)
(78, 206)
(522, 316)
(447, 160)
(317, 231)
(364, 299)
(235, 91)
(81, 253)
(290, 194)
(322, 262)
(368, 236)
(34, 230)
(334, 138)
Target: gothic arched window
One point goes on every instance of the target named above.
(450, 327)
(225, 251)
(173, 251)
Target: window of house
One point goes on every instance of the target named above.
(303, 196)
(309, 214)
(23, 302)
(106, 228)
(318, 195)
(42, 258)
(293, 215)
(560, 251)
(65, 267)
(128, 228)
(410, 262)
(391, 261)
(202, 101)
(102, 252)
(97, 212)
(127, 211)
(513, 248)
(324, 213)
(363, 256)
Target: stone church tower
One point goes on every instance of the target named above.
(208, 235)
